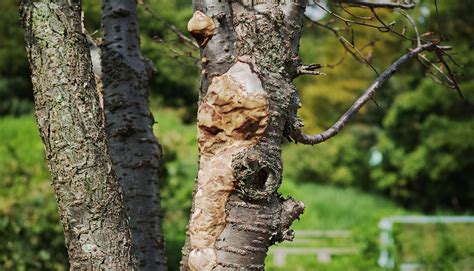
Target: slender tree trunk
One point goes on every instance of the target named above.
(135, 151)
(71, 125)
(250, 56)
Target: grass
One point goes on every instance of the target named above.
(438, 246)
(330, 208)
(22, 163)
(28, 212)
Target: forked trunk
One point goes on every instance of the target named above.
(250, 56)
(71, 125)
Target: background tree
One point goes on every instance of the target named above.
(134, 149)
(128, 122)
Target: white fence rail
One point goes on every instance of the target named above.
(323, 254)
(387, 242)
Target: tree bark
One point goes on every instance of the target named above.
(250, 56)
(71, 125)
(135, 152)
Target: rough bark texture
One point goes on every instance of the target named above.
(247, 100)
(135, 152)
(70, 121)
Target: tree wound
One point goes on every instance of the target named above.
(231, 118)
(256, 174)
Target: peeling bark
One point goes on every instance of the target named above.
(136, 154)
(71, 126)
(247, 101)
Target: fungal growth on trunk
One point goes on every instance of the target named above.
(201, 27)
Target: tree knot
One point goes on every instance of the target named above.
(256, 174)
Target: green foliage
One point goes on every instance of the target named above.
(325, 98)
(342, 161)
(173, 60)
(31, 235)
(15, 86)
(176, 81)
(428, 145)
(178, 142)
(422, 131)
(427, 139)
(443, 247)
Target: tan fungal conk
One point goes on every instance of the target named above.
(232, 117)
(201, 27)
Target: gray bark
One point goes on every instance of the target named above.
(250, 56)
(135, 152)
(71, 125)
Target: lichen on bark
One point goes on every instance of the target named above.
(71, 125)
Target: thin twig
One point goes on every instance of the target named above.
(379, 4)
(299, 136)
(188, 41)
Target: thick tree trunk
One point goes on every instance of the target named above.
(250, 56)
(135, 151)
(70, 121)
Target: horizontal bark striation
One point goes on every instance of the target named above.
(135, 152)
(70, 121)
(266, 38)
(257, 216)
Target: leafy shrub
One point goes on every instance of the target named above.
(30, 233)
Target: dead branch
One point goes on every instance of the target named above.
(311, 69)
(181, 36)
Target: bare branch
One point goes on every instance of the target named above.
(181, 36)
(348, 46)
(412, 22)
(404, 4)
(451, 75)
(299, 136)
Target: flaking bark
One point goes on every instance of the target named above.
(136, 154)
(71, 125)
(264, 37)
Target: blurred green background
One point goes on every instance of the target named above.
(411, 154)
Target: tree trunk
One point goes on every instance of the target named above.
(71, 125)
(135, 151)
(248, 101)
